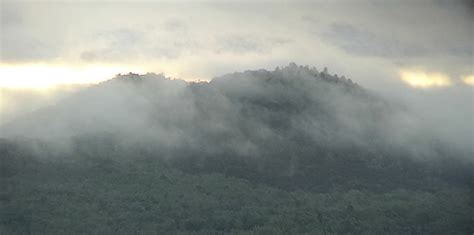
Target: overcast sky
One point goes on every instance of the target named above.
(373, 41)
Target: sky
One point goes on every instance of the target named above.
(394, 47)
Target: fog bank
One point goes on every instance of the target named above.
(244, 113)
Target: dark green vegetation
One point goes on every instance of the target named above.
(128, 195)
(291, 151)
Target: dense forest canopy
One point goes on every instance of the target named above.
(293, 150)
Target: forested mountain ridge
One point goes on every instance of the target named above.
(292, 150)
(262, 104)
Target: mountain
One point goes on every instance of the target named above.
(292, 150)
(249, 109)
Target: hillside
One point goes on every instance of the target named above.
(288, 151)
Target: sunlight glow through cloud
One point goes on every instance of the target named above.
(42, 76)
(469, 80)
(421, 79)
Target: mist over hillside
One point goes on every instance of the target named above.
(15, 102)
(295, 136)
(240, 112)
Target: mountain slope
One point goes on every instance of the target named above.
(247, 107)
(317, 143)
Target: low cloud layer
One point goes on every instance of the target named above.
(15, 103)
(250, 114)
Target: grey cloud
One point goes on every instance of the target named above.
(310, 19)
(279, 40)
(122, 36)
(10, 14)
(18, 43)
(459, 6)
(247, 43)
(126, 44)
(172, 47)
(236, 43)
(174, 25)
(19, 47)
(166, 52)
(114, 44)
(464, 51)
(363, 43)
(446, 54)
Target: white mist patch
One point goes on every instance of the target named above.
(15, 102)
